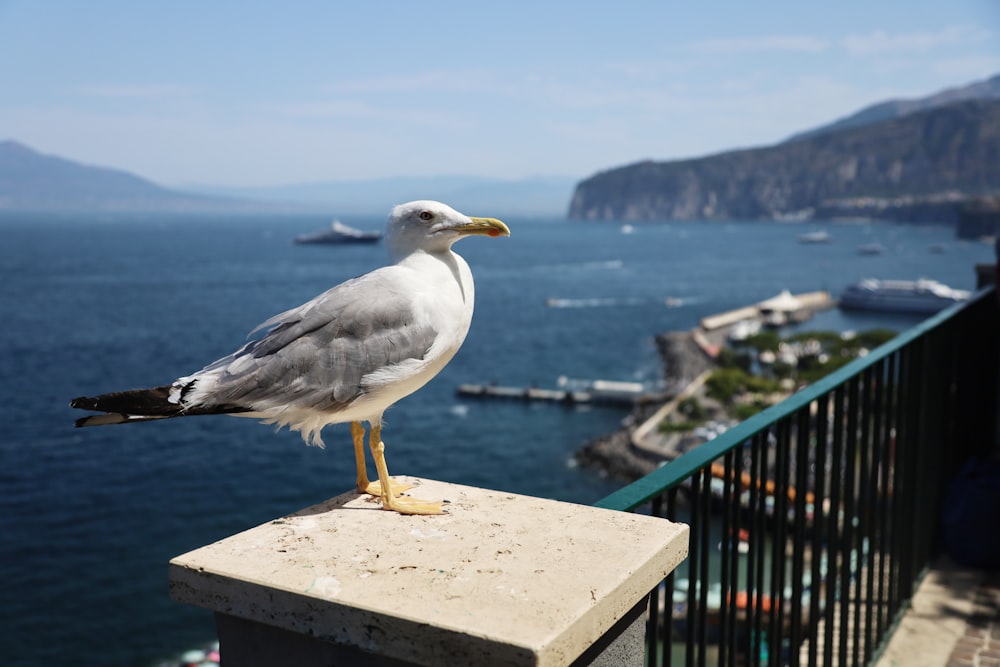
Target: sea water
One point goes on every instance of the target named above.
(90, 517)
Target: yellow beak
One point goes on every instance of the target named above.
(485, 226)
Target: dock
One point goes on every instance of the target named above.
(570, 392)
(776, 311)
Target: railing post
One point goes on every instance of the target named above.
(502, 579)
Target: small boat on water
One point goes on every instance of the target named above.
(821, 236)
(871, 249)
(339, 233)
(901, 296)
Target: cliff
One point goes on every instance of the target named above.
(919, 167)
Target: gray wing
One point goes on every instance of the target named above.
(316, 355)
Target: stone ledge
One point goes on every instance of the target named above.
(502, 579)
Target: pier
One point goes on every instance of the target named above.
(570, 392)
(779, 310)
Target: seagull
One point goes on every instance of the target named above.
(345, 356)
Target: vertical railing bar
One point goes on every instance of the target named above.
(779, 551)
(887, 476)
(755, 597)
(818, 526)
(726, 554)
(653, 625)
(803, 434)
(867, 507)
(705, 575)
(852, 584)
(834, 568)
(754, 549)
(932, 429)
(694, 541)
(773, 484)
(755, 553)
(668, 600)
(734, 563)
(913, 417)
(879, 502)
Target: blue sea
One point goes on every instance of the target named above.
(89, 518)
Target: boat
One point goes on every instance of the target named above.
(871, 249)
(901, 296)
(339, 233)
(821, 236)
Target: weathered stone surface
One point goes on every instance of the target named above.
(502, 579)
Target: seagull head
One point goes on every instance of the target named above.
(432, 227)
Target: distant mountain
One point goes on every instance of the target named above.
(32, 181)
(981, 90)
(915, 168)
(478, 196)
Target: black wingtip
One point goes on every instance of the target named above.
(82, 403)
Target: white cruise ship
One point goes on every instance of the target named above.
(901, 296)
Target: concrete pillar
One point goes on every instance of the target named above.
(502, 579)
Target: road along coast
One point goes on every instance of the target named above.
(615, 454)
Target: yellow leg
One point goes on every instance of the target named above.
(390, 501)
(358, 435)
(365, 486)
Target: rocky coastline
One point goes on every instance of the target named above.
(918, 168)
(613, 454)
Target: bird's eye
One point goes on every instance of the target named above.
(426, 215)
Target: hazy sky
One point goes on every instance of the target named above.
(254, 93)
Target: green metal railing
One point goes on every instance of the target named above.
(812, 522)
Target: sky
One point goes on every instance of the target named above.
(245, 94)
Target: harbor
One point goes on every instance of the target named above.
(709, 336)
(657, 433)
